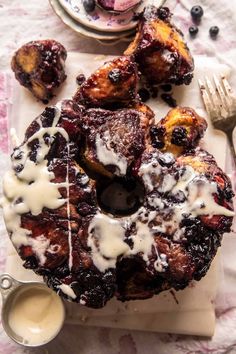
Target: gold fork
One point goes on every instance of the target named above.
(220, 103)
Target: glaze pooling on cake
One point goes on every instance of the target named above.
(29, 188)
(107, 156)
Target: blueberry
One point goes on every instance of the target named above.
(197, 12)
(80, 79)
(166, 159)
(193, 30)
(214, 30)
(144, 94)
(166, 87)
(167, 98)
(115, 76)
(89, 5)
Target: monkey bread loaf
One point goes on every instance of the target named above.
(104, 199)
(89, 248)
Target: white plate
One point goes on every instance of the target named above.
(107, 37)
(102, 20)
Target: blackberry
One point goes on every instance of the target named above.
(163, 13)
(179, 136)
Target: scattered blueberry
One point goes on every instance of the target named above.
(89, 5)
(154, 91)
(144, 94)
(80, 79)
(166, 87)
(197, 12)
(167, 98)
(193, 30)
(214, 30)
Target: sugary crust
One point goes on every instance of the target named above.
(160, 50)
(113, 84)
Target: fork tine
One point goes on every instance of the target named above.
(226, 85)
(221, 93)
(205, 96)
(212, 92)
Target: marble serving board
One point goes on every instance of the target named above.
(190, 311)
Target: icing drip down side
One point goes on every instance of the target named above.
(107, 237)
(30, 189)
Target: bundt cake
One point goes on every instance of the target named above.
(101, 201)
(58, 216)
(39, 66)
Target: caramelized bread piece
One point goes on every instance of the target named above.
(39, 66)
(114, 139)
(179, 131)
(147, 115)
(160, 50)
(113, 84)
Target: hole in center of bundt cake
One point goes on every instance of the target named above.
(121, 196)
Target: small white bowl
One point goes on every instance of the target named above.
(16, 299)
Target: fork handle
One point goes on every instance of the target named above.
(233, 156)
(232, 148)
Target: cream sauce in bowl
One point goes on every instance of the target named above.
(33, 314)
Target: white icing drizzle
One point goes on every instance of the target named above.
(161, 263)
(68, 209)
(142, 241)
(31, 189)
(67, 290)
(188, 176)
(107, 237)
(106, 241)
(40, 245)
(106, 154)
(168, 183)
(150, 173)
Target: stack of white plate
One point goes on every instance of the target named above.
(100, 24)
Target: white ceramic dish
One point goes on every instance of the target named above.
(101, 20)
(107, 37)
